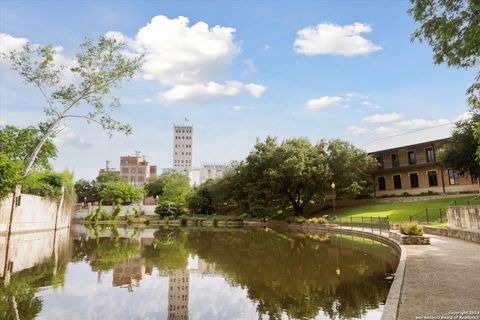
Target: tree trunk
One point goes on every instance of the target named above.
(38, 147)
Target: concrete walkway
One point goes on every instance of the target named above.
(440, 279)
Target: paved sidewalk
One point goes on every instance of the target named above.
(441, 278)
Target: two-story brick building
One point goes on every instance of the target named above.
(409, 163)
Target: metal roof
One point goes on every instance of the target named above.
(420, 136)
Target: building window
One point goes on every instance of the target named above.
(395, 163)
(453, 176)
(430, 154)
(381, 183)
(380, 161)
(432, 178)
(124, 170)
(412, 157)
(414, 180)
(397, 182)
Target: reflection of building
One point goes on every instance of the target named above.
(178, 290)
(182, 149)
(136, 170)
(211, 171)
(409, 163)
(130, 272)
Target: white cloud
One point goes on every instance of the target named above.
(463, 116)
(357, 130)
(323, 102)
(200, 91)
(189, 59)
(329, 38)
(383, 118)
(255, 90)
(9, 43)
(419, 123)
(238, 108)
(68, 137)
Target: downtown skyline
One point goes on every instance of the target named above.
(239, 71)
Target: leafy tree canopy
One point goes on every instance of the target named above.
(19, 143)
(460, 152)
(98, 67)
(118, 190)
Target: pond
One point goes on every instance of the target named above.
(194, 273)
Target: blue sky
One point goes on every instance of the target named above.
(354, 65)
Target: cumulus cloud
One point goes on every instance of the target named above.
(383, 118)
(9, 43)
(68, 137)
(330, 38)
(323, 102)
(189, 59)
(357, 130)
(203, 91)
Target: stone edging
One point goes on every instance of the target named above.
(453, 233)
(390, 310)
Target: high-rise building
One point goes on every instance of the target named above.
(136, 169)
(182, 148)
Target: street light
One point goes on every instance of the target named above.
(334, 196)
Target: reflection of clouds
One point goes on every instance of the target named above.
(214, 298)
(83, 298)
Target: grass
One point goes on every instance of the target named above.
(397, 212)
(441, 224)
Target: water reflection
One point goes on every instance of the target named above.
(195, 273)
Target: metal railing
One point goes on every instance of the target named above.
(371, 224)
(439, 214)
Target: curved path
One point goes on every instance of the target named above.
(441, 278)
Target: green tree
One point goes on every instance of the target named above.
(176, 187)
(154, 187)
(201, 198)
(452, 29)
(350, 167)
(9, 174)
(118, 190)
(86, 190)
(18, 144)
(167, 209)
(460, 152)
(98, 68)
(110, 177)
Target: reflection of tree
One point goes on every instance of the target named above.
(104, 253)
(290, 272)
(20, 294)
(168, 250)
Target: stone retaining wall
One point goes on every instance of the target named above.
(453, 233)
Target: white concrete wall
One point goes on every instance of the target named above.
(34, 213)
(464, 217)
(146, 209)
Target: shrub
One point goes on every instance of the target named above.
(215, 221)
(406, 194)
(167, 209)
(183, 220)
(293, 219)
(318, 220)
(411, 229)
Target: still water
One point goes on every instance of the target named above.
(194, 273)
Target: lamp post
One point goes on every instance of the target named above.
(334, 196)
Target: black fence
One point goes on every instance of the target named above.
(430, 215)
(372, 224)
